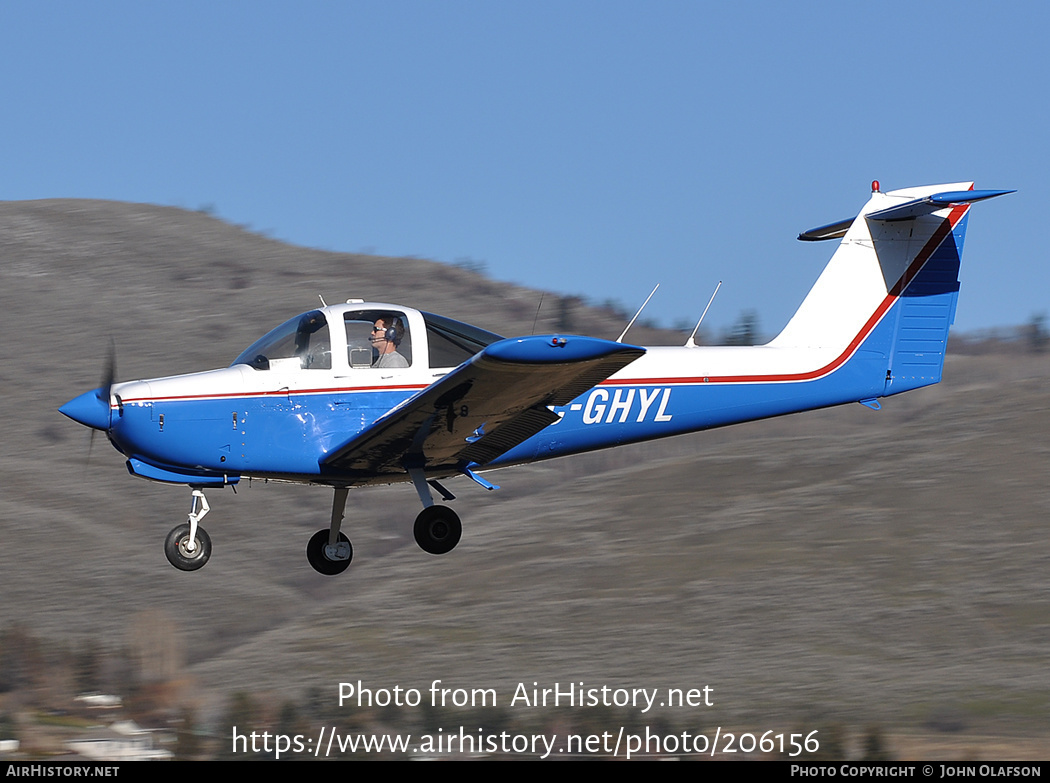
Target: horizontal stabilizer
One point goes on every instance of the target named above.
(905, 211)
(924, 206)
(830, 231)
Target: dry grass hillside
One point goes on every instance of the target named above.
(843, 565)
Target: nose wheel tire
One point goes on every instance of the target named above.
(438, 530)
(329, 560)
(182, 554)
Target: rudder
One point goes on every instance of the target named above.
(923, 313)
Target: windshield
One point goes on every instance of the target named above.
(299, 343)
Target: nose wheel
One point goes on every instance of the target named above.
(188, 546)
(187, 553)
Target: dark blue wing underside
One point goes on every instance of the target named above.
(484, 407)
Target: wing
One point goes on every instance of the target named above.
(484, 407)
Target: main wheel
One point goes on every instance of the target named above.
(177, 548)
(438, 530)
(329, 560)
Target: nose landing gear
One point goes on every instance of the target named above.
(188, 546)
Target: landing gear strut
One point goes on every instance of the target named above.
(188, 546)
(329, 551)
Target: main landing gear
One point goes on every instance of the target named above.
(329, 551)
(188, 546)
(437, 529)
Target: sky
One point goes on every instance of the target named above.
(586, 148)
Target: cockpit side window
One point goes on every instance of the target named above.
(377, 338)
(302, 343)
(453, 342)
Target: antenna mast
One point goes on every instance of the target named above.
(689, 343)
(624, 332)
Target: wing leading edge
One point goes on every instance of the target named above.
(483, 408)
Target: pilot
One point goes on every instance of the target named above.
(387, 333)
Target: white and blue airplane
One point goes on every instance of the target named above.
(369, 393)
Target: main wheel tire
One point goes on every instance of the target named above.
(319, 560)
(438, 530)
(176, 548)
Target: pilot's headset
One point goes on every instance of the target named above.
(394, 333)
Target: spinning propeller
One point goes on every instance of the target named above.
(92, 408)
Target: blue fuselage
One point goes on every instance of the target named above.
(287, 435)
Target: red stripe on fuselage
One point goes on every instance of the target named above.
(942, 233)
(279, 393)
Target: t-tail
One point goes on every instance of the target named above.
(891, 288)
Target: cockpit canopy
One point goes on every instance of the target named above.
(366, 336)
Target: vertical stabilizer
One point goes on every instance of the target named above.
(891, 287)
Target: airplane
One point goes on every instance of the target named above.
(366, 393)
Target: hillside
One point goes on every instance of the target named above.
(841, 565)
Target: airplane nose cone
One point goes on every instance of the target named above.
(89, 409)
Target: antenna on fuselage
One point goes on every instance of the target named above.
(323, 302)
(689, 343)
(624, 332)
(537, 316)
